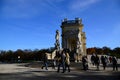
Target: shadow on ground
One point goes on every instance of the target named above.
(36, 75)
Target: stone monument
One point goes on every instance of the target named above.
(73, 38)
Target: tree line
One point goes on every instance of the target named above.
(37, 54)
(24, 55)
(104, 51)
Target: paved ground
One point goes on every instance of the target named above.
(33, 71)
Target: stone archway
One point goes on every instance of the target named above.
(72, 36)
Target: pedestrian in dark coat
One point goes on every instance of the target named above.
(114, 62)
(97, 61)
(85, 63)
(93, 59)
(103, 61)
(45, 60)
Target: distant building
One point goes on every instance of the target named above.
(73, 38)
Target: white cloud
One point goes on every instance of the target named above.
(27, 8)
(82, 4)
(32, 8)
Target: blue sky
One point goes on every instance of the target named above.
(31, 24)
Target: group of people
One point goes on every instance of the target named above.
(104, 60)
(94, 60)
(62, 59)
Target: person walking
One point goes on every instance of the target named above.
(67, 61)
(97, 61)
(61, 61)
(93, 59)
(110, 59)
(114, 62)
(45, 60)
(104, 62)
(85, 63)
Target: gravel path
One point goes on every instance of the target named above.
(20, 72)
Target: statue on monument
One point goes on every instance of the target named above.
(57, 37)
(78, 42)
(79, 47)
